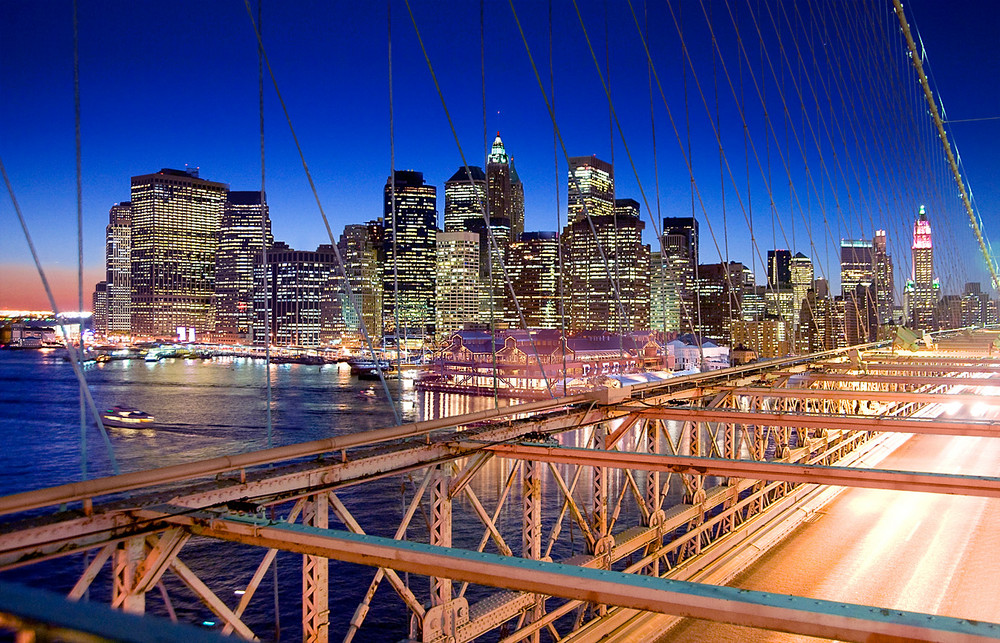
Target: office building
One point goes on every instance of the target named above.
(100, 308)
(680, 243)
(359, 246)
(464, 199)
(884, 278)
(244, 233)
(298, 294)
(720, 288)
(118, 263)
(802, 273)
(456, 291)
(533, 266)
(591, 188)
(779, 269)
(408, 268)
(607, 266)
(516, 204)
(856, 264)
(175, 231)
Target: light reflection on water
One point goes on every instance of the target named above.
(205, 409)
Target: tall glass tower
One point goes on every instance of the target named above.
(118, 261)
(244, 232)
(408, 250)
(175, 232)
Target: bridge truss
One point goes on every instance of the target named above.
(621, 510)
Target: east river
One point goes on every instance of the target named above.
(203, 409)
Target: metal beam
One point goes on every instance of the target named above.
(931, 426)
(797, 615)
(870, 396)
(985, 486)
(916, 380)
(54, 618)
(909, 367)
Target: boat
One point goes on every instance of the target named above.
(126, 416)
(367, 369)
(367, 394)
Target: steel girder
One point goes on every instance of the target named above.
(797, 615)
(932, 426)
(985, 486)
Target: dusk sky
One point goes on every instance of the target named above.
(169, 84)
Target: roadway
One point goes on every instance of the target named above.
(922, 552)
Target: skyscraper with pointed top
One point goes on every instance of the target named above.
(922, 289)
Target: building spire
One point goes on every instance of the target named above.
(498, 154)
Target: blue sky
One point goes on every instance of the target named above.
(169, 85)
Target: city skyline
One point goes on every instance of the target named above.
(39, 154)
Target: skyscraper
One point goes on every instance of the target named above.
(779, 268)
(456, 290)
(591, 188)
(499, 195)
(680, 243)
(464, 199)
(923, 293)
(801, 269)
(244, 232)
(409, 255)
(614, 231)
(856, 264)
(298, 288)
(118, 261)
(516, 204)
(175, 229)
(359, 247)
(720, 291)
(533, 267)
(884, 278)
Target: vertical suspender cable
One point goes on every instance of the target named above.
(319, 204)
(79, 229)
(267, 302)
(263, 232)
(486, 165)
(74, 361)
(559, 239)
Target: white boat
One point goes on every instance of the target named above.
(126, 416)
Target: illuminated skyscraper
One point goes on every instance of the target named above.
(593, 287)
(533, 267)
(409, 254)
(244, 232)
(923, 288)
(359, 247)
(516, 204)
(779, 268)
(721, 287)
(680, 243)
(175, 231)
(100, 303)
(298, 287)
(456, 291)
(498, 191)
(118, 258)
(464, 200)
(856, 264)
(801, 269)
(884, 278)
(591, 187)
(857, 279)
